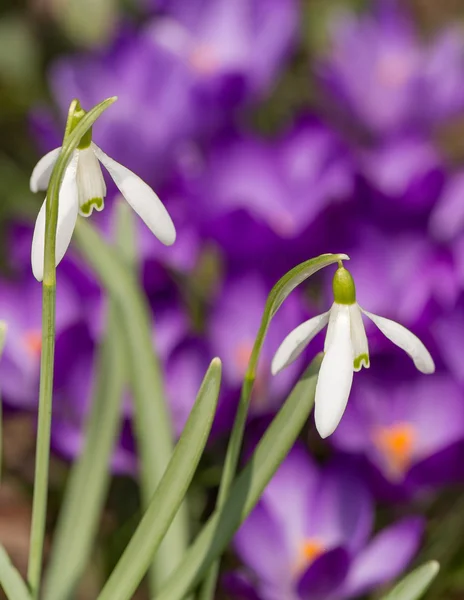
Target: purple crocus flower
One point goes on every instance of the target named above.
(309, 537)
(154, 117)
(448, 332)
(386, 77)
(285, 183)
(270, 191)
(402, 274)
(404, 174)
(409, 432)
(447, 218)
(233, 50)
(317, 170)
(233, 326)
(21, 308)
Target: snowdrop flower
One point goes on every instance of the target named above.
(83, 189)
(345, 350)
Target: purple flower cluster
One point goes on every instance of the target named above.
(361, 174)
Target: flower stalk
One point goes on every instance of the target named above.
(278, 294)
(39, 506)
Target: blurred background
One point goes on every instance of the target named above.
(273, 130)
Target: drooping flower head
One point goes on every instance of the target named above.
(346, 349)
(83, 190)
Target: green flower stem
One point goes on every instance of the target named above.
(39, 505)
(151, 419)
(275, 299)
(90, 476)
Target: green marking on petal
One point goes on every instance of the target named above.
(94, 203)
(361, 361)
(344, 290)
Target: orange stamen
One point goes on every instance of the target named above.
(396, 443)
(242, 355)
(309, 550)
(394, 71)
(202, 60)
(33, 342)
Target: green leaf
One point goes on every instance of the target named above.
(80, 513)
(414, 585)
(151, 419)
(277, 295)
(246, 489)
(3, 332)
(168, 497)
(11, 581)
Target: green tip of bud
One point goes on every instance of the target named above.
(344, 290)
(75, 114)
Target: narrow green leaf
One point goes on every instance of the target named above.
(246, 489)
(168, 497)
(151, 419)
(3, 331)
(80, 512)
(414, 585)
(277, 295)
(11, 581)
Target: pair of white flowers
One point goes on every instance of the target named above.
(346, 350)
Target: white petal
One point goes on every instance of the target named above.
(335, 376)
(406, 340)
(90, 183)
(43, 169)
(67, 215)
(141, 197)
(333, 314)
(358, 339)
(296, 341)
